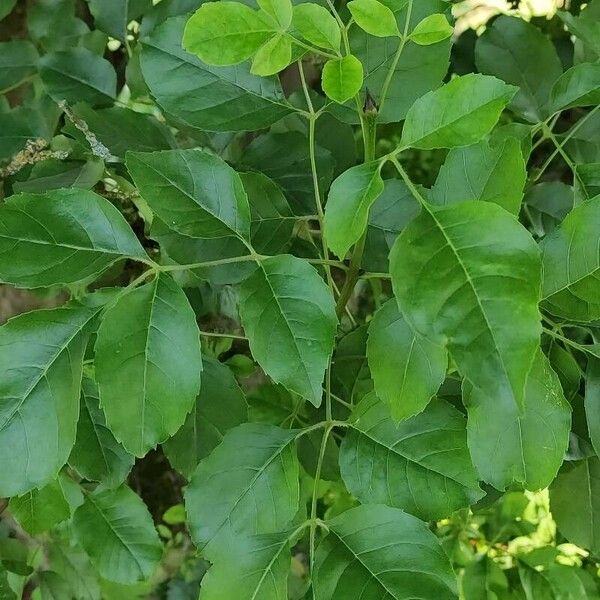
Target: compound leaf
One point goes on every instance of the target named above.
(41, 355)
(226, 33)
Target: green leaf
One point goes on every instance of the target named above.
(407, 368)
(317, 26)
(579, 86)
(418, 70)
(350, 376)
(121, 129)
(194, 93)
(40, 510)
(548, 203)
(374, 17)
(61, 237)
(41, 356)
(389, 215)
(421, 465)
(54, 174)
(431, 30)
(273, 56)
(383, 552)
(206, 425)
(97, 455)
(226, 33)
(6, 7)
(254, 567)
(460, 113)
(279, 10)
(288, 314)
(483, 579)
(587, 181)
(342, 78)
(285, 158)
(491, 173)
(468, 276)
(505, 50)
(6, 592)
(272, 221)
(78, 75)
(350, 198)
(73, 565)
(195, 193)
(113, 16)
(507, 446)
(553, 581)
(574, 498)
(115, 528)
(592, 401)
(247, 486)
(571, 259)
(148, 344)
(585, 26)
(18, 63)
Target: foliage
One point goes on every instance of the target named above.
(329, 300)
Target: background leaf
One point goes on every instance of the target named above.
(97, 455)
(505, 50)
(209, 421)
(78, 75)
(505, 445)
(115, 528)
(194, 93)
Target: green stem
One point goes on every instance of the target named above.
(313, 504)
(223, 335)
(313, 48)
(369, 138)
(548, 134)
(236, 259)
(392, 69)
(407, 180)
